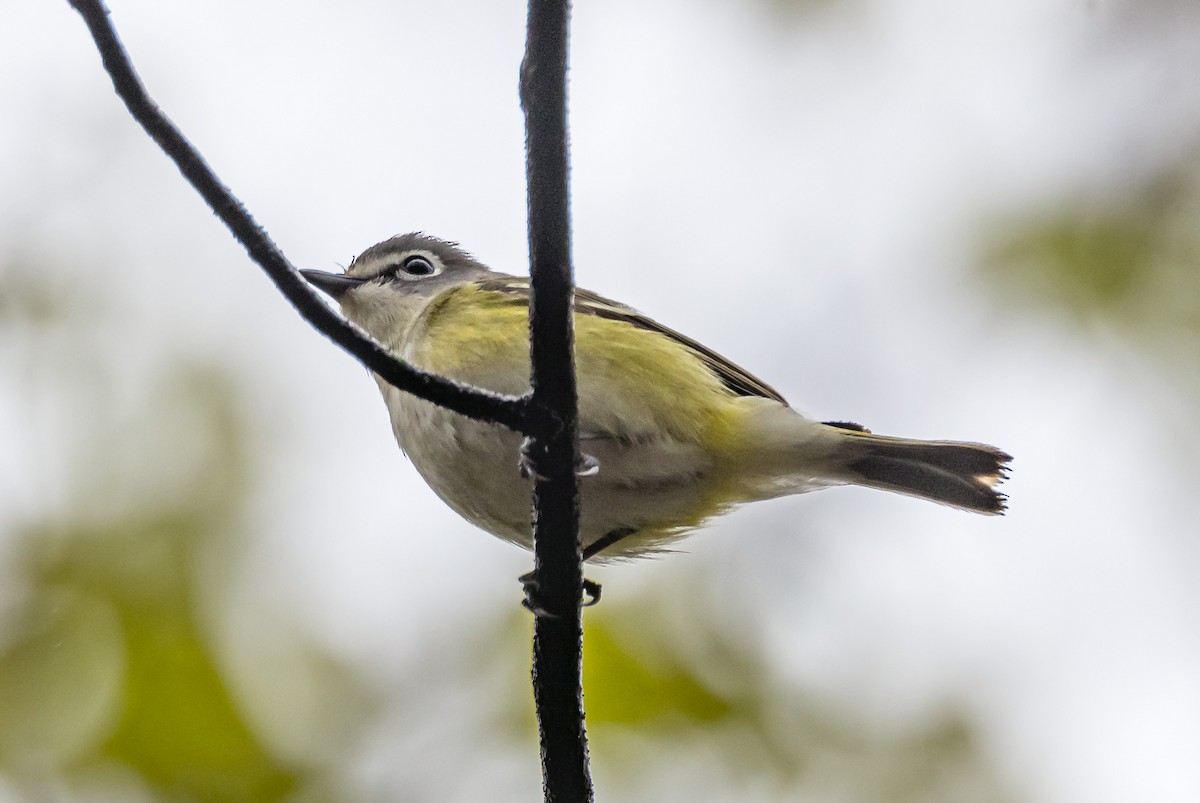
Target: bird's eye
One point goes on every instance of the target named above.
(412, 267)
(417, 265)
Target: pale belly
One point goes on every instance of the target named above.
(654, 491)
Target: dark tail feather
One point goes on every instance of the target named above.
(963, 475)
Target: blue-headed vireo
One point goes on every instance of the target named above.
(671, 432)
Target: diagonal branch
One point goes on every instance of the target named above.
(548, 415)
(481, 404)
(558, 572)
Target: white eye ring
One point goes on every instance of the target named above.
(418, 266)
(415, 266)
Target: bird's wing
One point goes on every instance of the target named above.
(737, 379)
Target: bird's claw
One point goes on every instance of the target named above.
(533, 596)
(526, 467)
(585, 464)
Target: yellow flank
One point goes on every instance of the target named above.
(633, 382)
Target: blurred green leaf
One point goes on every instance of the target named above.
(30, 297)
(60, 676)
(1087, 263)
(129, 652)
(662, 689)
(105, 658)
(180, 727)
(627, 687)
(1128, 258)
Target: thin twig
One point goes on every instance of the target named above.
(558, 639)
(510, 411)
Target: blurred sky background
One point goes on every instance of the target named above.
(220, 580)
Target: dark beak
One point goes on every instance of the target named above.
(335, 284)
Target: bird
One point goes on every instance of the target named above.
(671, 434)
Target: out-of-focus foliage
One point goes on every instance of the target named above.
(110, 679)
(795, 11)
(629, 687)
(658, 698)
(1129, 258)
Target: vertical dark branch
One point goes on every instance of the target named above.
(549, 417)
(558, 639)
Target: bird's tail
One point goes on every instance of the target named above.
(962, 475)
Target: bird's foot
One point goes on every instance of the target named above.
(585, 464)
(526, 467)
(533, 596)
